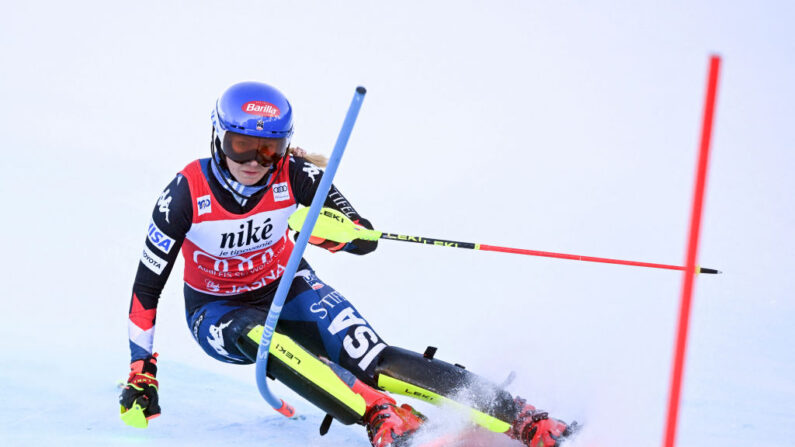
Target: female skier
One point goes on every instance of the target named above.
(228, 213)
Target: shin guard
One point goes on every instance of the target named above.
(421, 376)
(325, 385)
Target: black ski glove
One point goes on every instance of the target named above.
(141, 389)
(361, 246)
(356, 246)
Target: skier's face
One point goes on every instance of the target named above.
(248, 173)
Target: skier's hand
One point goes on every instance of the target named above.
(361, 246)
(140, 393)
(356, 246)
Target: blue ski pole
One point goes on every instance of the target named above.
(298, 252)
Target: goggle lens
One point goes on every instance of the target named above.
(244, 148)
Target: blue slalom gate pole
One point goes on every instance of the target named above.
(298, 252)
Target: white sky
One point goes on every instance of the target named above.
(563, 126)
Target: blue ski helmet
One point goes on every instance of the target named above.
(252, 109)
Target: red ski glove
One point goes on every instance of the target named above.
(141, 389)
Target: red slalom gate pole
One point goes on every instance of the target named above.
(692, 252)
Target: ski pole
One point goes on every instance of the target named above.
(335, 226)
(310, 216)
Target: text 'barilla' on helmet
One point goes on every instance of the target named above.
(252, 121)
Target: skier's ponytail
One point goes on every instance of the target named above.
(316, 159)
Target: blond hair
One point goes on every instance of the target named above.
(316, 159)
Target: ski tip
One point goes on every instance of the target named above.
(134, 417)
(709, 271)
(361, 90)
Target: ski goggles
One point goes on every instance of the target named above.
(244, 148)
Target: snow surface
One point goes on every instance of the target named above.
(562, 126)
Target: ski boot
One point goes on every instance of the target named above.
(535, 429)
(387, 424)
